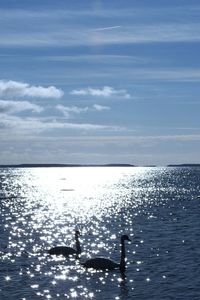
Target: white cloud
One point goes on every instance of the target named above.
(18, 106)
(100, 107)
(11, 125)
(20, 89)
(106, 92)
(67, 110)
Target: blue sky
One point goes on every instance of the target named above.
(99, 81)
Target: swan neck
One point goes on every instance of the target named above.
(122, 261)
(78, 246)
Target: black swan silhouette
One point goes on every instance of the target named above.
(103, 263)
(67, 251)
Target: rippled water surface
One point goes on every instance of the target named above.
(159, 208)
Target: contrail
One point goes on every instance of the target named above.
(106, 28)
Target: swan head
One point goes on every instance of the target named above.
(125, 237)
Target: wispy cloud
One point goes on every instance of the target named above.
(106, 92)
(100, 107)
(7, 106)
(57, 28)
(100, 58)
(167, 74)
(133, 34)
(20, 89)
(152, 33)
(139, 139)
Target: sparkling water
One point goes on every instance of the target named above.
(159, 208)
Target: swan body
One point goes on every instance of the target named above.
(67, 251)
(103, 263)
(62, 250)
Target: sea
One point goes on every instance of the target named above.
(157, 207)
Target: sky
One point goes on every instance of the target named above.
(97, 82)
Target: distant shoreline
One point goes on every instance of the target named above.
(184, 165)
(63, 165)
(88, 165)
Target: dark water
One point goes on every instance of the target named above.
(159, 208)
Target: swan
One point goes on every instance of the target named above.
(103, 263)
(66, 251)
